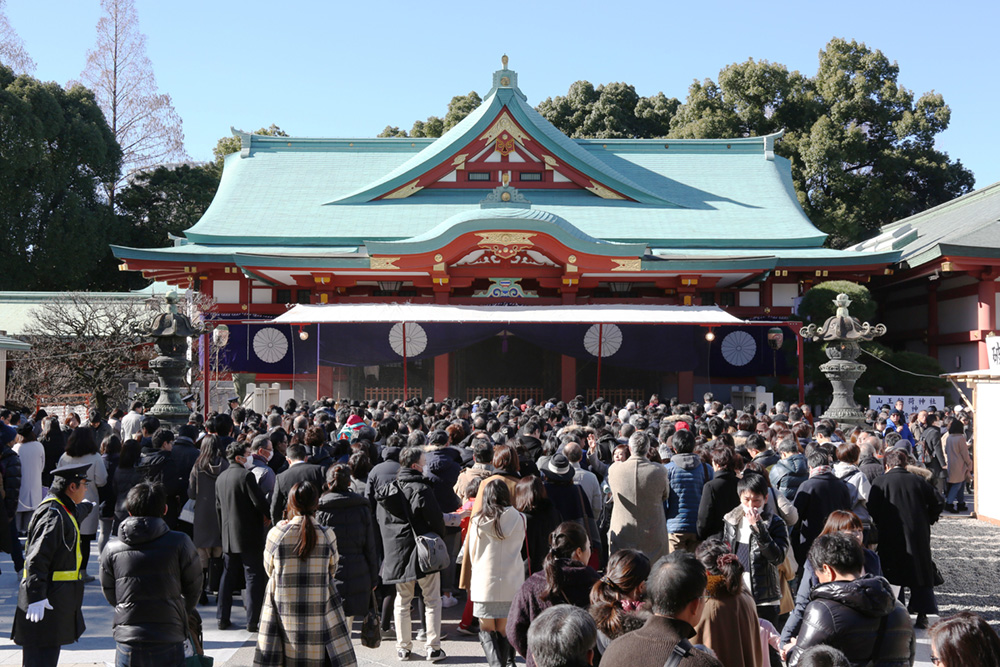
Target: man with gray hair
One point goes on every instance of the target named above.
(585, 479)
(261, 451)
(870, 464)
(562, 636)
(638, 489)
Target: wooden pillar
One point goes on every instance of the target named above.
(568, 378)
(986, 316)
(442, 374)
(685, 386)
(324, 381)
(3, 377)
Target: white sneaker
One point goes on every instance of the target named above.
(447, 601)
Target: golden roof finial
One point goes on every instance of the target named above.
(504, 61)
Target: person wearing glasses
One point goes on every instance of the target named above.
(50, 598)
(964, 639)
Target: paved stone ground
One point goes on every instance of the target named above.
(966, 551)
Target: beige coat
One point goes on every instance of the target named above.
(497, 568)
(956, 454)
(465, 575)
(638, 488)
(729, 626)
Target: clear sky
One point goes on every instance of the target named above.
(348, 69)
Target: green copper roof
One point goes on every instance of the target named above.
(309, 200)
(966, 226)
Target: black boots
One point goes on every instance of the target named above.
(499, 652)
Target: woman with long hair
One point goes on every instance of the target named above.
(32, 455)
(616, 600)
(126, 476)
(959, 461)
(206, 530)
(495, 537)
(302, 622)
(839, 521)
(507, 468)
(54, 442)
(565, 579)
(729, 624)
(81, 449)
(111, 450)
(964, 639)
(532, 500)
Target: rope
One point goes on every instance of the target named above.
(901, 370)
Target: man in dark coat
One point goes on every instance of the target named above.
(819, 495)
(50, 598)
(298, 471)
(930, 452)
(158, 464)
(152, 576)
(856, 614)
(405, 509)
(903, 506)
(242, 512)
(719, 496)
(675, 588)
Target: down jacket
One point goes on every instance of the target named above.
(767, 551)
(686, 475)
(848, 614)
(788, 474)
(152, 576)
(10, 468)
(350, 516)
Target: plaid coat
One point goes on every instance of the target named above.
(303, 620)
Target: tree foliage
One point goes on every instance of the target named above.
(82, 344)
(143, 120)
(610, 111)
(459, 107)
(860, 144)
(817, 303)
(12, 51)
(57, 151)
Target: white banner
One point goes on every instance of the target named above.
(910, 403)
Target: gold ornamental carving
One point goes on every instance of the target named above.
(384, 263)
(459, 162)
(627, 264)
(550, 162)
(505, 124)
(405, 191)
(505, 244)
(602, 191)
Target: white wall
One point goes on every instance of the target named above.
(956, 315)
(987, 452)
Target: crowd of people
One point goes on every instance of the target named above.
(573, 533)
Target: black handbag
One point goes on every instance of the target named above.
(938, 579)
(371, 626)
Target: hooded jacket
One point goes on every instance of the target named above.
(394, 518)
(495, 549)
(686, 475)
(849, 616)
(152, 576)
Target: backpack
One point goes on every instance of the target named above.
(925, 454)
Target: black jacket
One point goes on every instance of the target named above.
(394, 518)
(766, 552)
(283, 483)
(903, 506)
(242, 510)
(382, 474)
(158, 465)
(10, 468)
(871, 468)
(184, 453)
(350, 517)
(848, 615)
(816, 498)
(51, 547)
(718, 498)
(123, 481)
(152, 576)
(442, 469)
(541, 523)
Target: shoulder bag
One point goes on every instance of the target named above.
(432, 554)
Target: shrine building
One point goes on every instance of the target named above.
(507, 256)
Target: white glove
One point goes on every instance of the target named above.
(36, 610)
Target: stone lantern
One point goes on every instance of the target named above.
(843, 335)
(170, 332)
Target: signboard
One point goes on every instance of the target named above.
(910, 403)
(993, 352)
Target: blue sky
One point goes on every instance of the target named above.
(341, 69)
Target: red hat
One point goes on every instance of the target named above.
(353, 419)
(682, 425)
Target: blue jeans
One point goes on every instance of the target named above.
(149, 655)
(956, 493)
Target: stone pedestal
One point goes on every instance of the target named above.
(170, 333)
(843, 371)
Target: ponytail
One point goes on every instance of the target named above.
(722, 566)
(627, 570)
(563, 543)
(302, 501)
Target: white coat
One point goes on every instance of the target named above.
(497, 567)
(32, 456)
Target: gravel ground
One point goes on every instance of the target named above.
(967, 553)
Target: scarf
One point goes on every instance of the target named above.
(630, 605)
(819, 470)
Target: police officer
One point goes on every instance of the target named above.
(234, 402)
(49, 603)
(191, 402)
